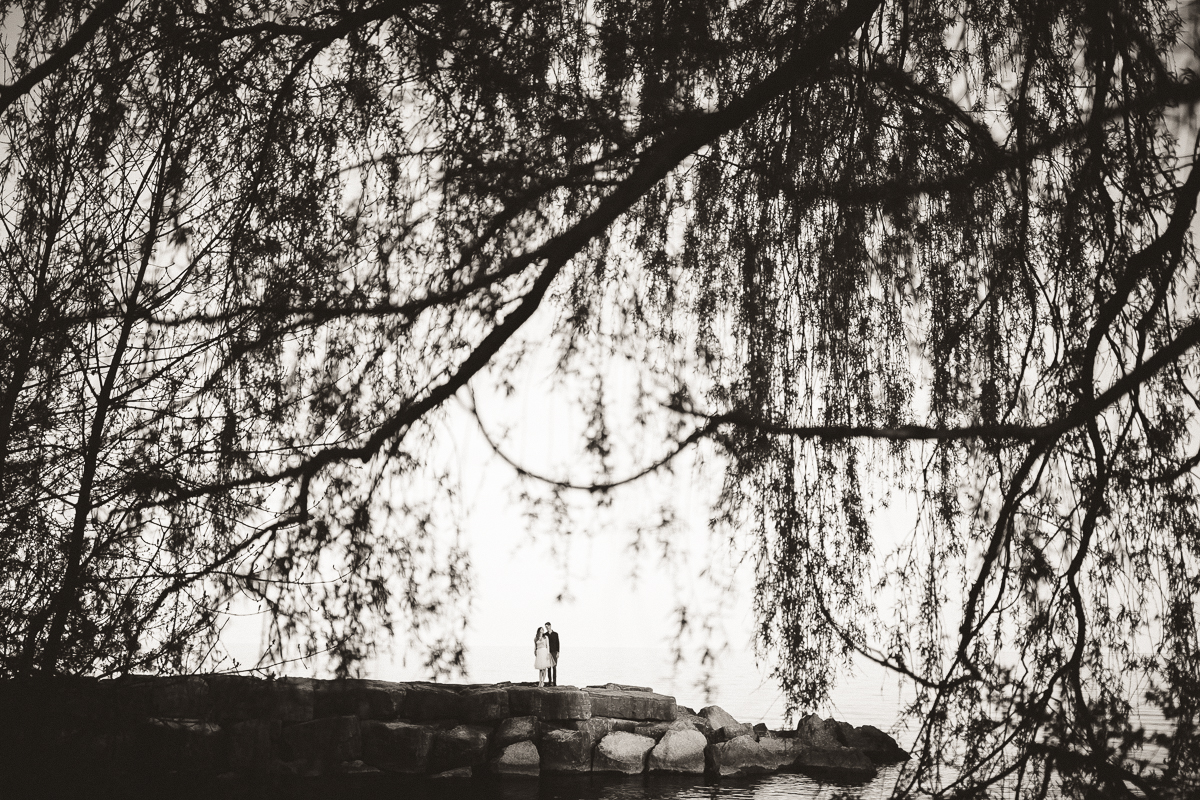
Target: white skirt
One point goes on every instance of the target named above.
(542, 658)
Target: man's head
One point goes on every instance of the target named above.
(547, 627)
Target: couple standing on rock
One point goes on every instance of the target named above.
(545, 655)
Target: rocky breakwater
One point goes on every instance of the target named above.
(233, 727)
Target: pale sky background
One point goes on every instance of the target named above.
(616, 598)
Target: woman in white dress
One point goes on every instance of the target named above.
(542, 660)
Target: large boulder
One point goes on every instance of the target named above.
(397, 746)
(513, 730)
(462, 746)
(679, 751)
(425, 702)
(520, 758)
(784, 751)
(365, 699)
(622, 752)
(170, 697)
(631, 704)
(326, 742)
(550, 702)
(740, 756)
(835, 763)
(182, 745)
(596, 727)
(564, 750)
(483, 704)
(812, 731)
(240, 697)
(696, 721)
(717, 717)
(731, 732)
(875, 744)
(254, 744)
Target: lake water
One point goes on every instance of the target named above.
(736, 683)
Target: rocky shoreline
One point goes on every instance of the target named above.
(231, 729)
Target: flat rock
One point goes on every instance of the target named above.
(631, 704)
(550, 702)
(835, 763)
(521, 758)
(241, 697)
(621, 687)
(679, 751)
(426, 702)
(327, 741)
(717, 717)
(622, 752)
(513, 730)
(740, 756)
(461, 747)
(456, 773)
(564, 750)
(484, 704)
(397, 746)
(365, 699)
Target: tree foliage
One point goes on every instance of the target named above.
(249, 255)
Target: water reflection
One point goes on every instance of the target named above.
(656, 786)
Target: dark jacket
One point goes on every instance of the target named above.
(554, 643)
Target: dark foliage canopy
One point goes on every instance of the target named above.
(249, 254)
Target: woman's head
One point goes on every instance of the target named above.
(540, 633)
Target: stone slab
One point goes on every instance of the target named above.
(565, 750)
(365, 699)
(551, 702)
(513, 730)
(397, 746)
(461, 747)
(327, 741)
(485, 704)
(242, 697)
(629, 704)
(425, 702)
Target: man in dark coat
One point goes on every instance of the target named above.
(553, 676)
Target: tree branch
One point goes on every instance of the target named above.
(57, 60)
